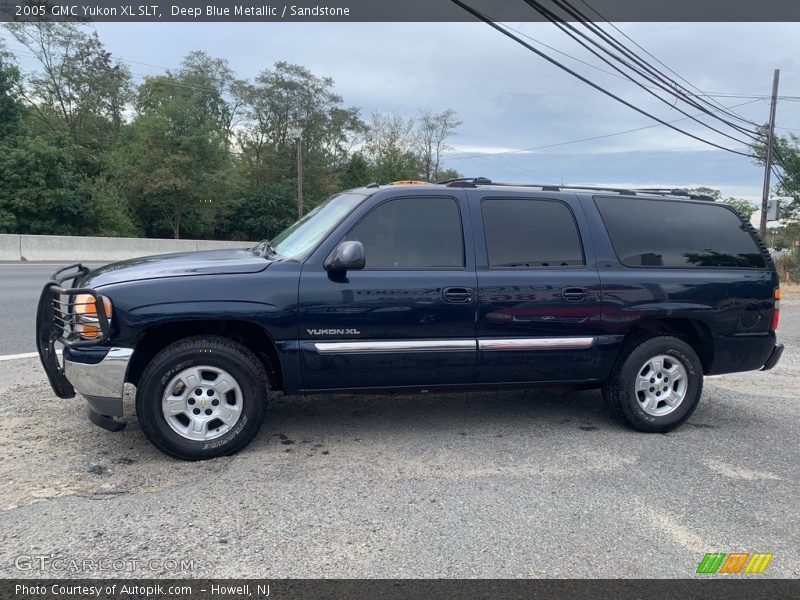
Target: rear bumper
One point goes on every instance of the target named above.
(744, 352)
(773, 359)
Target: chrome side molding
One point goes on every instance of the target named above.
(559, 343)
(399, 346)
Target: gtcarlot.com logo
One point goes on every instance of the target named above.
(61, 564)
(734, 562)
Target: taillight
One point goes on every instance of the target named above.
(87, 323)
(776, 311)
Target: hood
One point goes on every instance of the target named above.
(181, 264)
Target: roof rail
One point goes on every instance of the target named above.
(465, 182)
(678, 192)
(545, 187)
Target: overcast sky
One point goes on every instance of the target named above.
(510, 99)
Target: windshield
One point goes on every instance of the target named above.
(301, 238)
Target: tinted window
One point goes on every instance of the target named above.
(530, 233)
(412, 233)
(664, 233)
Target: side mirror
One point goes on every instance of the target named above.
(346, 257)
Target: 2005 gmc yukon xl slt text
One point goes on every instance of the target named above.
(464, 284)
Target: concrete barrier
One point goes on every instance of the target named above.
(75, 248)
(9, 247)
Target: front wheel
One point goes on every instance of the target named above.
(202, 397)
(655, 385)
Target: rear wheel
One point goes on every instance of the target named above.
(656, 384)
(202, 397)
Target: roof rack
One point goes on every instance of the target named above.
(466, 182)
(677, 192)
(476, 181)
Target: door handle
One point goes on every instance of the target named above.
(457, 295)
(574, 294)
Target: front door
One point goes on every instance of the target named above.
(539, 312)
(408, 318)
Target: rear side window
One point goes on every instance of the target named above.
(412, 233)
(668, 233)
(527, 233)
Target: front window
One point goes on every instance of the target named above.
(300, 239)
(412, 233)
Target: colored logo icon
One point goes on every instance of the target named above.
(734, 562)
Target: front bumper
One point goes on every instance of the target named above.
(101, 384)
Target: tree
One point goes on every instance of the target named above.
(706, 191)
(391, 144)
(78, 88)
(742, 206)
(263, 212)
(281, 98)
(445, 174)
(40, 189)
(11, 110)
(786, 156)
(356, 172)
(174, 160)
(434, 130)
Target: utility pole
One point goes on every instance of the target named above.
(762, 230)
(300, 175)
(296, 132)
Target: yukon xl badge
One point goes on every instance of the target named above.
(333, 332)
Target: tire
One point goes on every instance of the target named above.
(663, 404)
(202, 397)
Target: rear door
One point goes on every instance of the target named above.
(539, 289)
(408, 318)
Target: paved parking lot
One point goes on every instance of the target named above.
(512, 484)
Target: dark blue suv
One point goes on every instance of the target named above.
(463, 284)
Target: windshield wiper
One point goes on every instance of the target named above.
(263, 249)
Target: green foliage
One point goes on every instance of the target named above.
(706, 191)
(356, 173)
(40, 190)
(786, 157)
(742, 206)
(445, 174)
(264, 212)
(194, 152)
(173, 158)
(11, 109)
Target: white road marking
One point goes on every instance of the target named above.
(5, 357)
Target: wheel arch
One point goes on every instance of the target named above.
(249, 334)
(694, 332)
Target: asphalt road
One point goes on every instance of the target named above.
(20, 286)
(512, 484)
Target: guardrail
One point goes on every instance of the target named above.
(65, 248)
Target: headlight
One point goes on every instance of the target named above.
(87, 323)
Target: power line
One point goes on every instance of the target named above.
(651, 55)
(650, 74)
(488, 21)
(586, 139)
(506, 164)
